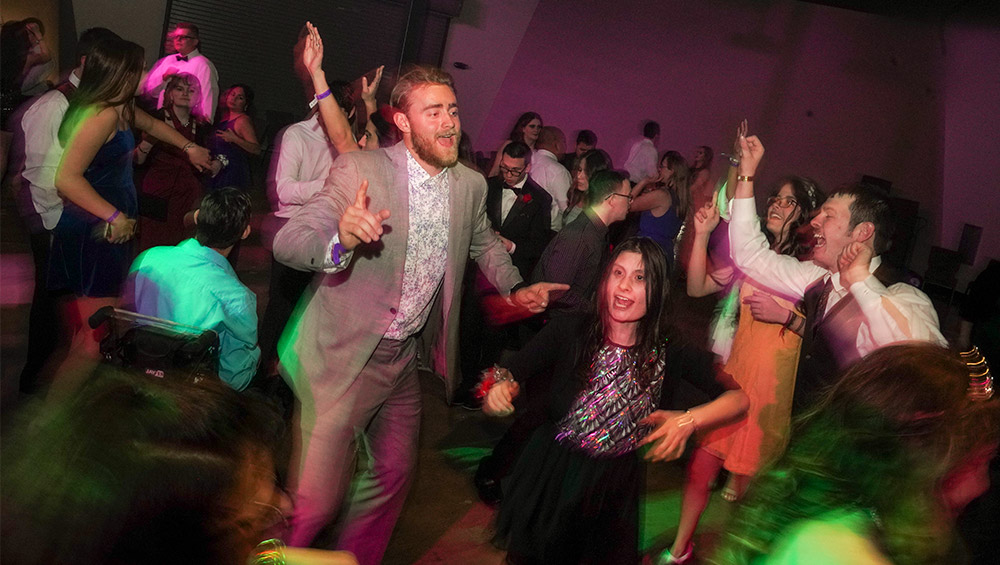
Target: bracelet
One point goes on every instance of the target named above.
(189, 145)
(269, 552)
(222, 159)
(686, 419)
(146, 152)
(112, 217)
(317, 98)
(335, 253)
(491, 376)
(744, 178)
(733, 161)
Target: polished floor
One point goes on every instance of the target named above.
(443, 521)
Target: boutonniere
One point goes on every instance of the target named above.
(526, 197)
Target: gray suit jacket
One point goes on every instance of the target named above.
(336, 329)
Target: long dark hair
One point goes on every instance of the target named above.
(517, 132)
(652, 329)
(707, 163)
(110, 78)
(247, 93)
(878, 443)
(809, 198)
(591, 162)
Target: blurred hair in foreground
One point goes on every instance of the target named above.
(893, 440)
(138, 470)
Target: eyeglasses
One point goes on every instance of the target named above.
(629, 196)
(511, 172)
(176, 37)
(783, 201)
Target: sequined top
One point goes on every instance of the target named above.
(603, 420)
(426, 248)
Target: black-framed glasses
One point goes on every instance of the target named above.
(511, 172)
(783, 201)
(628, 196)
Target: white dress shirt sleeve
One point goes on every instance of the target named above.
(290, 190)
(753, 255)
(894, 314)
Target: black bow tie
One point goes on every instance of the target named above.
(516, 190)
(182, 58)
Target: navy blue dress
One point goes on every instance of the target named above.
(237, 173)
(82, 260)
(662, 229)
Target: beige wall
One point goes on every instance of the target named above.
(45, 10)
(140, 21)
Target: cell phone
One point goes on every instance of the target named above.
(101, 230)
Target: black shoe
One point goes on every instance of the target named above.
(487, 487)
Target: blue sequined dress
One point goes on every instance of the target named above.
(573, 496)
(82, 260)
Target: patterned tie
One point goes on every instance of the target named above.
(182, 58)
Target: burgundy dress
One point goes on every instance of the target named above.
(169, 187)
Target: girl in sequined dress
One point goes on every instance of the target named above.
(573, 496)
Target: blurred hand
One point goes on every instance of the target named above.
(358, 225)
(668, 438)
(228, 135)
(853, 263)
(199, 157)
(312, 54)
(752, 152)
(706, 218)
(765, 309)
(499, 400)
(535, 298)
(368, 91)
(741, 132)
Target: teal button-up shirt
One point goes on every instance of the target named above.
(195, 285)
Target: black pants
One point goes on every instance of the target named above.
(284, 291)
(44, 331)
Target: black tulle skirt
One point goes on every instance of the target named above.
(564, 506)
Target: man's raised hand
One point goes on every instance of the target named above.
(359, 225)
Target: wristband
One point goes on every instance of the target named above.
(112, 217)
(733, 161)
(189, 145)
(335, 253)
(744, 178)
(317, 98)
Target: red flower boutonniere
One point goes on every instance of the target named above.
(526, 197)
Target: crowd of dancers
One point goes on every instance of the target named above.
(537, 283)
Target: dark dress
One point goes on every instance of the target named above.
(237, 172)
(574, 493)
(82, 260)
(662, 229)
(169, 187)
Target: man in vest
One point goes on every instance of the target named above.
(851, 301)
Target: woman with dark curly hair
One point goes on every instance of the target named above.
(757, 335)
(876, 470)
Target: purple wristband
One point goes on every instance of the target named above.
(335, 253)
(113, 216)
(324, 95)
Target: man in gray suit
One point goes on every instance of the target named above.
(388, 278)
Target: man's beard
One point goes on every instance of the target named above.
(434, 154)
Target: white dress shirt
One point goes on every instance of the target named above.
(641, 162)
(197, 65)
(42, 152)
(894, 314)
(301, 165)
(548, 172)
